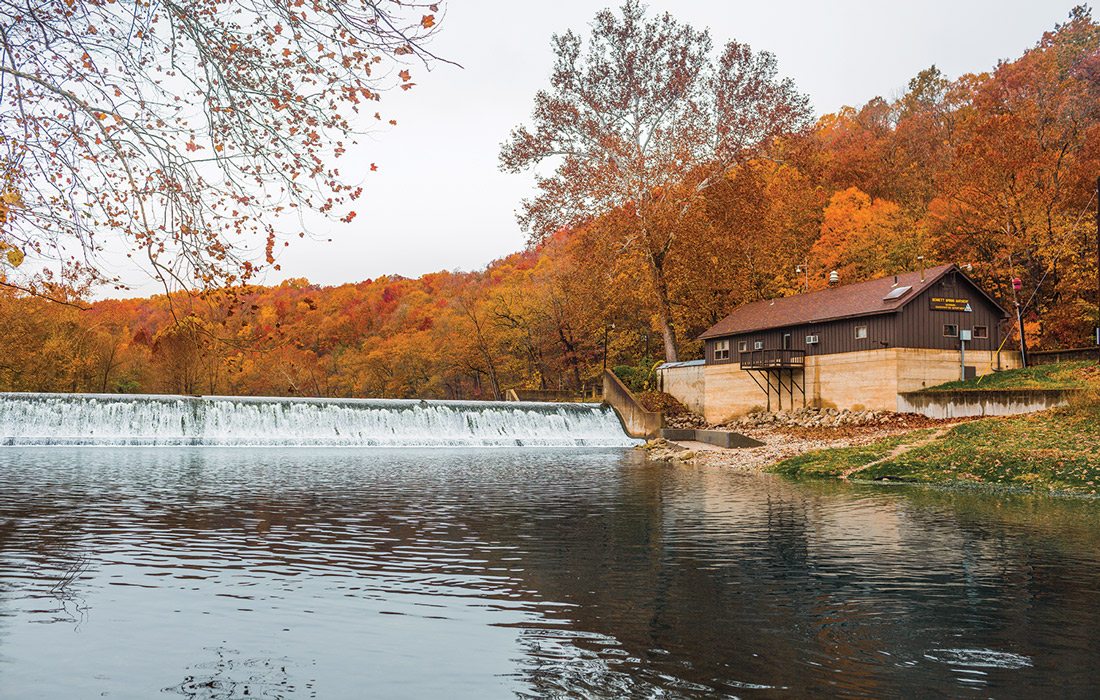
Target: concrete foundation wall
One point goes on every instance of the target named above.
(919, 369)
(686, 383)
(854, 380)
(730, 393)
(864, 380)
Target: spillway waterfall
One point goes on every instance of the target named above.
(127, 419)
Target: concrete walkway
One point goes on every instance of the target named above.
(696, 446)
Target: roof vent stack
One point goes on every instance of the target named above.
(895, 281)
(920, 259)
(834, 278)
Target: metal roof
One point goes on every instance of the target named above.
(682, 363)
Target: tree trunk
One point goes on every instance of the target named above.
(664, 308)
(487, 356)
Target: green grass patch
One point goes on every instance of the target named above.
(828, 463)
(1063, 375)
(1055, 450)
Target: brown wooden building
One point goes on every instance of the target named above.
(854, 345)
(912, 310)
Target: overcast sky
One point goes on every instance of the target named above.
(438, 200)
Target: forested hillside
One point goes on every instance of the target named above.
(996, 170)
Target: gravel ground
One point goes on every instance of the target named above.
(784, 441)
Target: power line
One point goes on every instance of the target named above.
(1073, 229)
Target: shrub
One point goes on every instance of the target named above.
(638, 378)
(660, 401)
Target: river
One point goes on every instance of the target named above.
(206, 572)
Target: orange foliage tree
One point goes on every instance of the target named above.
(993, 169)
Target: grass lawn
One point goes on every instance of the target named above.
(1063, 375)
(836, 462)
(1056, 450)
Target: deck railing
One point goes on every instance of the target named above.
(773, 359)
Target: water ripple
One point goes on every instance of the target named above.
(471, 573)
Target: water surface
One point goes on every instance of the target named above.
(329, 573)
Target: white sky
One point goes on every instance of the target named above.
(438, 200)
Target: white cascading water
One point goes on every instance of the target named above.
(127, 419)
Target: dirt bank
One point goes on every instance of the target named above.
(791, 434)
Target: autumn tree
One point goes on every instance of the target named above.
(744, 243)
(863, 238)
(186, 129)
(1019, 200)
(644, 117)
(182, 351)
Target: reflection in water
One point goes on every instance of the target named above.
(71, 606)
(230, 676)
(220, 573)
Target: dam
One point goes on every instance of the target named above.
(237, 421)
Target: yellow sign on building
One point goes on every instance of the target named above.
(949, 304)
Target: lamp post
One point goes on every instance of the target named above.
(605, 331)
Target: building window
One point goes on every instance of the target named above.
(721, 349)
(981, 332)
(950, 330)
(861, 332)
(786, 341)
(742, 346)
(758, 345)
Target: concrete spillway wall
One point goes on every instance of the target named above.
(636, 421)
(991, 402)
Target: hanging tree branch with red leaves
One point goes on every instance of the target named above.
(184, 128)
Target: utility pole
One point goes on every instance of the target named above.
(1017, 285)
